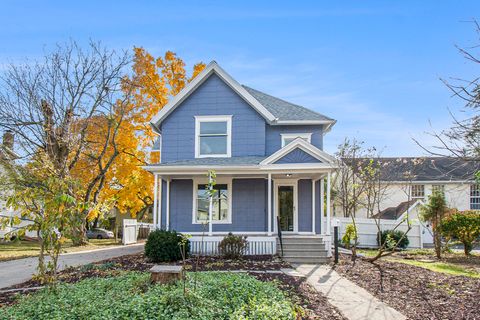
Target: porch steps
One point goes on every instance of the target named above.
(303, 249)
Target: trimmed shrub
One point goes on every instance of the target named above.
(164, 246)
(464, 226)
(233, 247)
(391, 238)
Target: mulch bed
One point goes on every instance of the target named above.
(315, 304)
(416, 292)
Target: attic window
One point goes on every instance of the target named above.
(289, 137)
(213, 136)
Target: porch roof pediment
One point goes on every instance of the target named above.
(299, 151)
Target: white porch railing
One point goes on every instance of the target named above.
(256, 245)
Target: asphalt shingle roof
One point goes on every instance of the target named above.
(285, 110)
(428, 169)
(233, 161)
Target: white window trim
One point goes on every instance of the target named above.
(306, 136)
(228, 182)
(472, 197)
(225, 118)
(417, 197)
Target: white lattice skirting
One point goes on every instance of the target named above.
(256, 245)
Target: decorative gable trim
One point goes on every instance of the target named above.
(301, 144)
(212, 67)
(297, 155)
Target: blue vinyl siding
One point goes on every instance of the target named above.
(249, 207)
(213, 97)
(273, 139)
(305, 205)
(297, 156)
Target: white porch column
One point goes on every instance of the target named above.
(322, 204)
(159, 209)
(328, 203)
(167, 205)
(210, 207)
(155, 200)
(269, 204)
(313, 206)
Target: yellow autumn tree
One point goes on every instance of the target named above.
(126, 184)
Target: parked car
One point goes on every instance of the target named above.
(99, 233)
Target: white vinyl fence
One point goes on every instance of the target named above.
(130, 231)
(367, 231)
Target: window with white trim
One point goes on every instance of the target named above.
(440, 188)
(418, 191)
(475, 197)
(221, 208)
(289, 137)
(213, 136)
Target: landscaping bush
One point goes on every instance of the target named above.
(349, 236)
(391, 238)
(464, 226)
(164, 246)
(233, 247)
(132, 296)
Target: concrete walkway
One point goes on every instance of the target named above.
(354, 302)
(18, 271)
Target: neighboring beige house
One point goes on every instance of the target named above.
(407, 187)
(404, 186)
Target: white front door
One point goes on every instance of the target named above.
(286, 206)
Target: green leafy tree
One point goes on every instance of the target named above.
(464, 226)
(47, 203)
(434, 211)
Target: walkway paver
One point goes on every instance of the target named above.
(354, 302)
(18, 271)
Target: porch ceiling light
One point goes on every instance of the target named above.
(288, 175)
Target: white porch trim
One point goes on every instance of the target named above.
(304, 146)
(155, 200)
(167, 218)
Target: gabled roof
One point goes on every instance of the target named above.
(275, 111)
(303, 145)
(427, 169)
(286, 111)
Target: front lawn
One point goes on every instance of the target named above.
(10, 250)
(129, 295)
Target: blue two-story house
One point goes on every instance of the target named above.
(272, 175)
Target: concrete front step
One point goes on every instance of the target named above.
(304, 253)
(307, 260)
(301, 241)
(306, 246)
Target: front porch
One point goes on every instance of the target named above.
(261, 206)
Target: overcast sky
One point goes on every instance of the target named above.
(374, 66)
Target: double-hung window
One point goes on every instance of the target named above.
(289, 137)
(475, 197)
(213, 136)
(221, 204)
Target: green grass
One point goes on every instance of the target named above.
(12, 250)
(130, 295)
(441, 267)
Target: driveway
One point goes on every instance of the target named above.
(18, 271)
